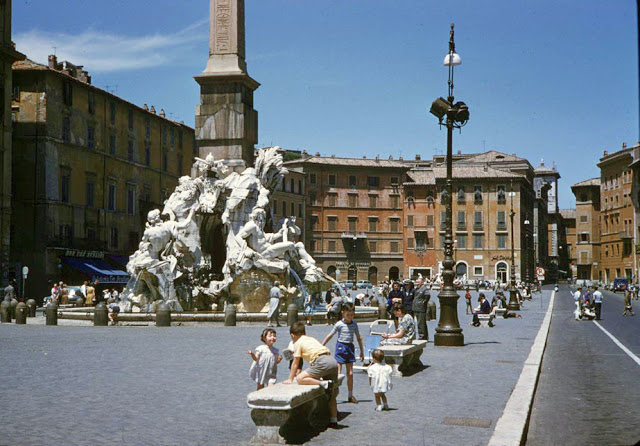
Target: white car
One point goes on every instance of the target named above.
(364, 284)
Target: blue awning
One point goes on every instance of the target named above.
(97, 269)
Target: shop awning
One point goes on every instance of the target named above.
(97, 269)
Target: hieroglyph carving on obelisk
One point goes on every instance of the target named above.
(226, 37)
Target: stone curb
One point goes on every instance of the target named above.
(511, 427)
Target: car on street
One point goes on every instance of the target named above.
(364, 284)
(620, 284)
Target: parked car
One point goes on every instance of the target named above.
(364, 284)
(620, 284)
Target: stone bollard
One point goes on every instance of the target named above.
(292, 314)
(431, 311)
(382, 311)
(163, 315)
(100, 315)
(5, 311)
(13, 305)
(230, 315)
(21, 313)
(31, 308)
(51, 314)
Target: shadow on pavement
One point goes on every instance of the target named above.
(483, 342)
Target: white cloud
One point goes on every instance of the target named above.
(104, 52)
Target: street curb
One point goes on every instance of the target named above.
(511, 427)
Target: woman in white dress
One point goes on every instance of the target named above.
(266, 358)
(380, 379)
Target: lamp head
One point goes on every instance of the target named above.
(440, 107)
(452, 59)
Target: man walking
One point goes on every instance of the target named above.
(421, 298)
(597, 298)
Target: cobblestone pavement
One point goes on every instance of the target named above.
(85, 385)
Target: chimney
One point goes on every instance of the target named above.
(53, 61)
(605, 153)
(486, 168)
(400, 159)
(390, 157)
(364, 157)
(377, 157)
(162, 112)
(459, 152)
(145, 107)
(332, 155)
(624, 145)
(153, 110)
(317, 154)
(417, 157)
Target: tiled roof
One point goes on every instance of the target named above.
(420, 178)
(350, 162)
(494, 156)
(590, 182)
(475, 172)
(568, 214)
(28, 64)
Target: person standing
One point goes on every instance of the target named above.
(91, 295)
(597, 299)
(420, 300)
(274, 304)
(408, 293)
(576, 299)
(55, 293)
(9, 291)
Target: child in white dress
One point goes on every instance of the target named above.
(265, 360)
(380, 379)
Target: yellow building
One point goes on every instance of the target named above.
(87, 167)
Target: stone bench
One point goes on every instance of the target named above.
(484, 319)
(284, 412)
(405, 357)
(500, 311)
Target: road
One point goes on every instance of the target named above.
(588, 392)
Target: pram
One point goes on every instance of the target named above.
(373, 340)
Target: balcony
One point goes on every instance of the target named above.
(355, 235)
(626, 234)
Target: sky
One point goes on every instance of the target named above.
(553, 80)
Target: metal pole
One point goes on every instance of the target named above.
(448, 331)
(513, 292)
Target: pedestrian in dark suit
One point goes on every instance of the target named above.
(421, 298)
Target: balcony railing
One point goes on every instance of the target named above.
(627, 233)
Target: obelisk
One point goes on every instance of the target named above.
(226, 123)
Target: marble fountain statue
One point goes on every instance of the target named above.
(226, 211)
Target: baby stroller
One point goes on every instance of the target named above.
(374, 338)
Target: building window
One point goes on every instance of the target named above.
(502, 241)
(422, 240)
(332, 223)
(394, 246)
(477, 194)
(172, 137)
(165, 161)
(314, 222)
(353, 224)
(91, 186)
(180, 140)
(373, 246)
(130, 119)
(443, 220)
(502, 194)
(502, 220)
(332, 180)
(112, 112)
(134, 238)
(164, 134)
(284, 208)
(312, 178)
(300, 191)
(430, 220)
(373, 201)
(293, 209)
(147, 127)
(332, 199)
(477, 220)
(461, 194)
(130, 150)
(180, 157)
(395, 200)
(65, 184)
(91, 137)
(147, 153)
(410, 221)
(352, 180)
(112, 144)
(394, 181)
(353, 200)
(584, 237)
(111, 197)
(373, 224)
(583, 219)
(393, 224)
(313, 199)
(91, 234)
(477, 241)
(292, 186)
(67, 93)
(300, 210)
(114, 237)
(91, 100)
(410, 243)
(462, 241)
(66, 129)
(274, 205)
(462, 224)
(373, 181)
(478, 271)
(131, 200)
(332, 246)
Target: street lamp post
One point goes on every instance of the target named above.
(513, 291)
(448, 332)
